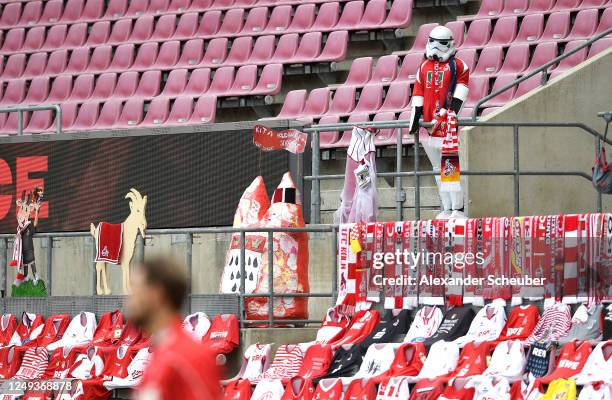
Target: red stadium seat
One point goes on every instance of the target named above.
(31, 13)
(490, 8)
(343, 101)
(478, 33)
(286, 48)
(503, 98)
(143, 29)
(528, 85)
(387, 136)
(36, 65)
(158, 6)
(585, 25)
(198, 83)
(116, 9)
(56, 36)
(557, 26)
(270, 80)
(479, 88)
(232, 22)
(360, 72)
(222, 3)
(566, 5)
(99, 34)
(399, 15)
(538, 6)
(244, 82)
(14, 67)
(87, 116)
(52, 12)
(458, 30)
(169, 54)
(79, 60)
(374, 14)
(187, 26)
(149, 84)
(386, 69)
(345, 140)
(504, 31)
(294, 104)
(516, 60)
(303, 18)
(409, 67)
(164, 28)
(131, 113)
(105, 86)
(397, 98)
(179, 5)
(250, 3)
(309, 49)
(263, 49)
(490, 61)
(123, 57)
(126, 85)
(62, 88)
(407, 138)
(57, 62)
(240, 51)
(370, 99)
(469, 57)
(570, 61)
(531, 28)
(137, 7)
(11, 124)
(216, 52)
(14, 40)
(327, 18)
(192, 53)
(38, 91)
(158, 111)
(544, 52)
(175, 84)
(10, 15)
(335, 47)
(109, 114)
(514, 7)
(606, 21)
(279, 21)
(76, 36)
(34, 38)
(69, 115)
(328, 138)
(593, 3)
(599, 46)
(222, 80)
(83, 87)
(200, 4)
(72, 11)
(40, 121)
(317, 102)
(146, 56)
(351, 15)
(121, 32)
(204, 110)
(93, 9)
(210, 24)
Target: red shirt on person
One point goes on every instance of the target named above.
(180, 368)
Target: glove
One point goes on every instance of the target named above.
(417, 112)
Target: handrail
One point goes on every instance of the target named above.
(20, 110)
(542, 68)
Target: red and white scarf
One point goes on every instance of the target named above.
(17, 253)
(450, 145)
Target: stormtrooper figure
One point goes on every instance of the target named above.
(441, 87)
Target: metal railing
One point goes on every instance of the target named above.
(417, 173)
(190, 232)
(21, 109)
(538, 70)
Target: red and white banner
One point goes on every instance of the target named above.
(291, 140)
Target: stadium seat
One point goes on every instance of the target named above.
(210, 23)
(115, 9)
(93, 9)
(309, 48)
(146, 56)
(570, 61)
(566, 5)
(528, 85)
(10, 15)
(200, 4)
(169, 54)
(198, 82)
(504, 31)
(14, 40)
(407, 138)
(72, 11)
(14, 67)
(187, 26)
(360, 72)
(399, 15)
(478, 88)
(270, 80)
(79, 60)
(490, 61)
(279, 21)
(56, 62)
(164, 27)
(421, 38)
(36, 65)
(131, 113)
(62, 88)
(31, 13)
(83, 87)
(149, 84)
(410, 66)
(468, 56)
(516, 60)
(158, 6)
(99, 34)
(385, 69)
(69, 115)
(121, 32)
(232, 22)
(181, 111)
(240, 51)
(56, 36)
(216, 52)
(539, 6)
(478, 33)
(179, 5)
(244, 81)
(531, 28)
(327, 17)
(397, 98)
(294, 104)
(386, 136)
(109, 113)
(10, 126)
(222, 3)
(458, 30)
(318, 102)
(193, 51)
(557, 26)
(465, 112)
(222, 80)
(126, 85)
(599, 46)
(52, 12)
(101, 58)
(263, 49)
(34, 38)
(490, 8)
(345, 140)
(606, 21)
(503, 98)
(343, 101)
(76, 36)
(38, 91)
(544, 52)
(585, 25)
(40, 121)
(370, 99)
(352, 13)
(514, 7)
(335, 47)
(328, 138)
(303, 18)
(204, 110)
(137, 7)
(87, 116)
(105, 86)
(157, 113)
(374, 14)
(14, 93)
(142, 29)
(286, 48)
(175, 83)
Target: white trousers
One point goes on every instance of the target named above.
(450, 200)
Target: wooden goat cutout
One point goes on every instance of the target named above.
(115, 242)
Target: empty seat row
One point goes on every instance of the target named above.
(502, 8)
(226, 81)
(354, 15)
(117, 114)
(290, 49)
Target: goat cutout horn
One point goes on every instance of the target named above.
(136, 193)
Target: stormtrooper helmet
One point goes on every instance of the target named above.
(440, 44)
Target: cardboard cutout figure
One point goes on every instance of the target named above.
(23, 248)
(115, 242)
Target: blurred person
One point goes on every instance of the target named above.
(180, 367)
